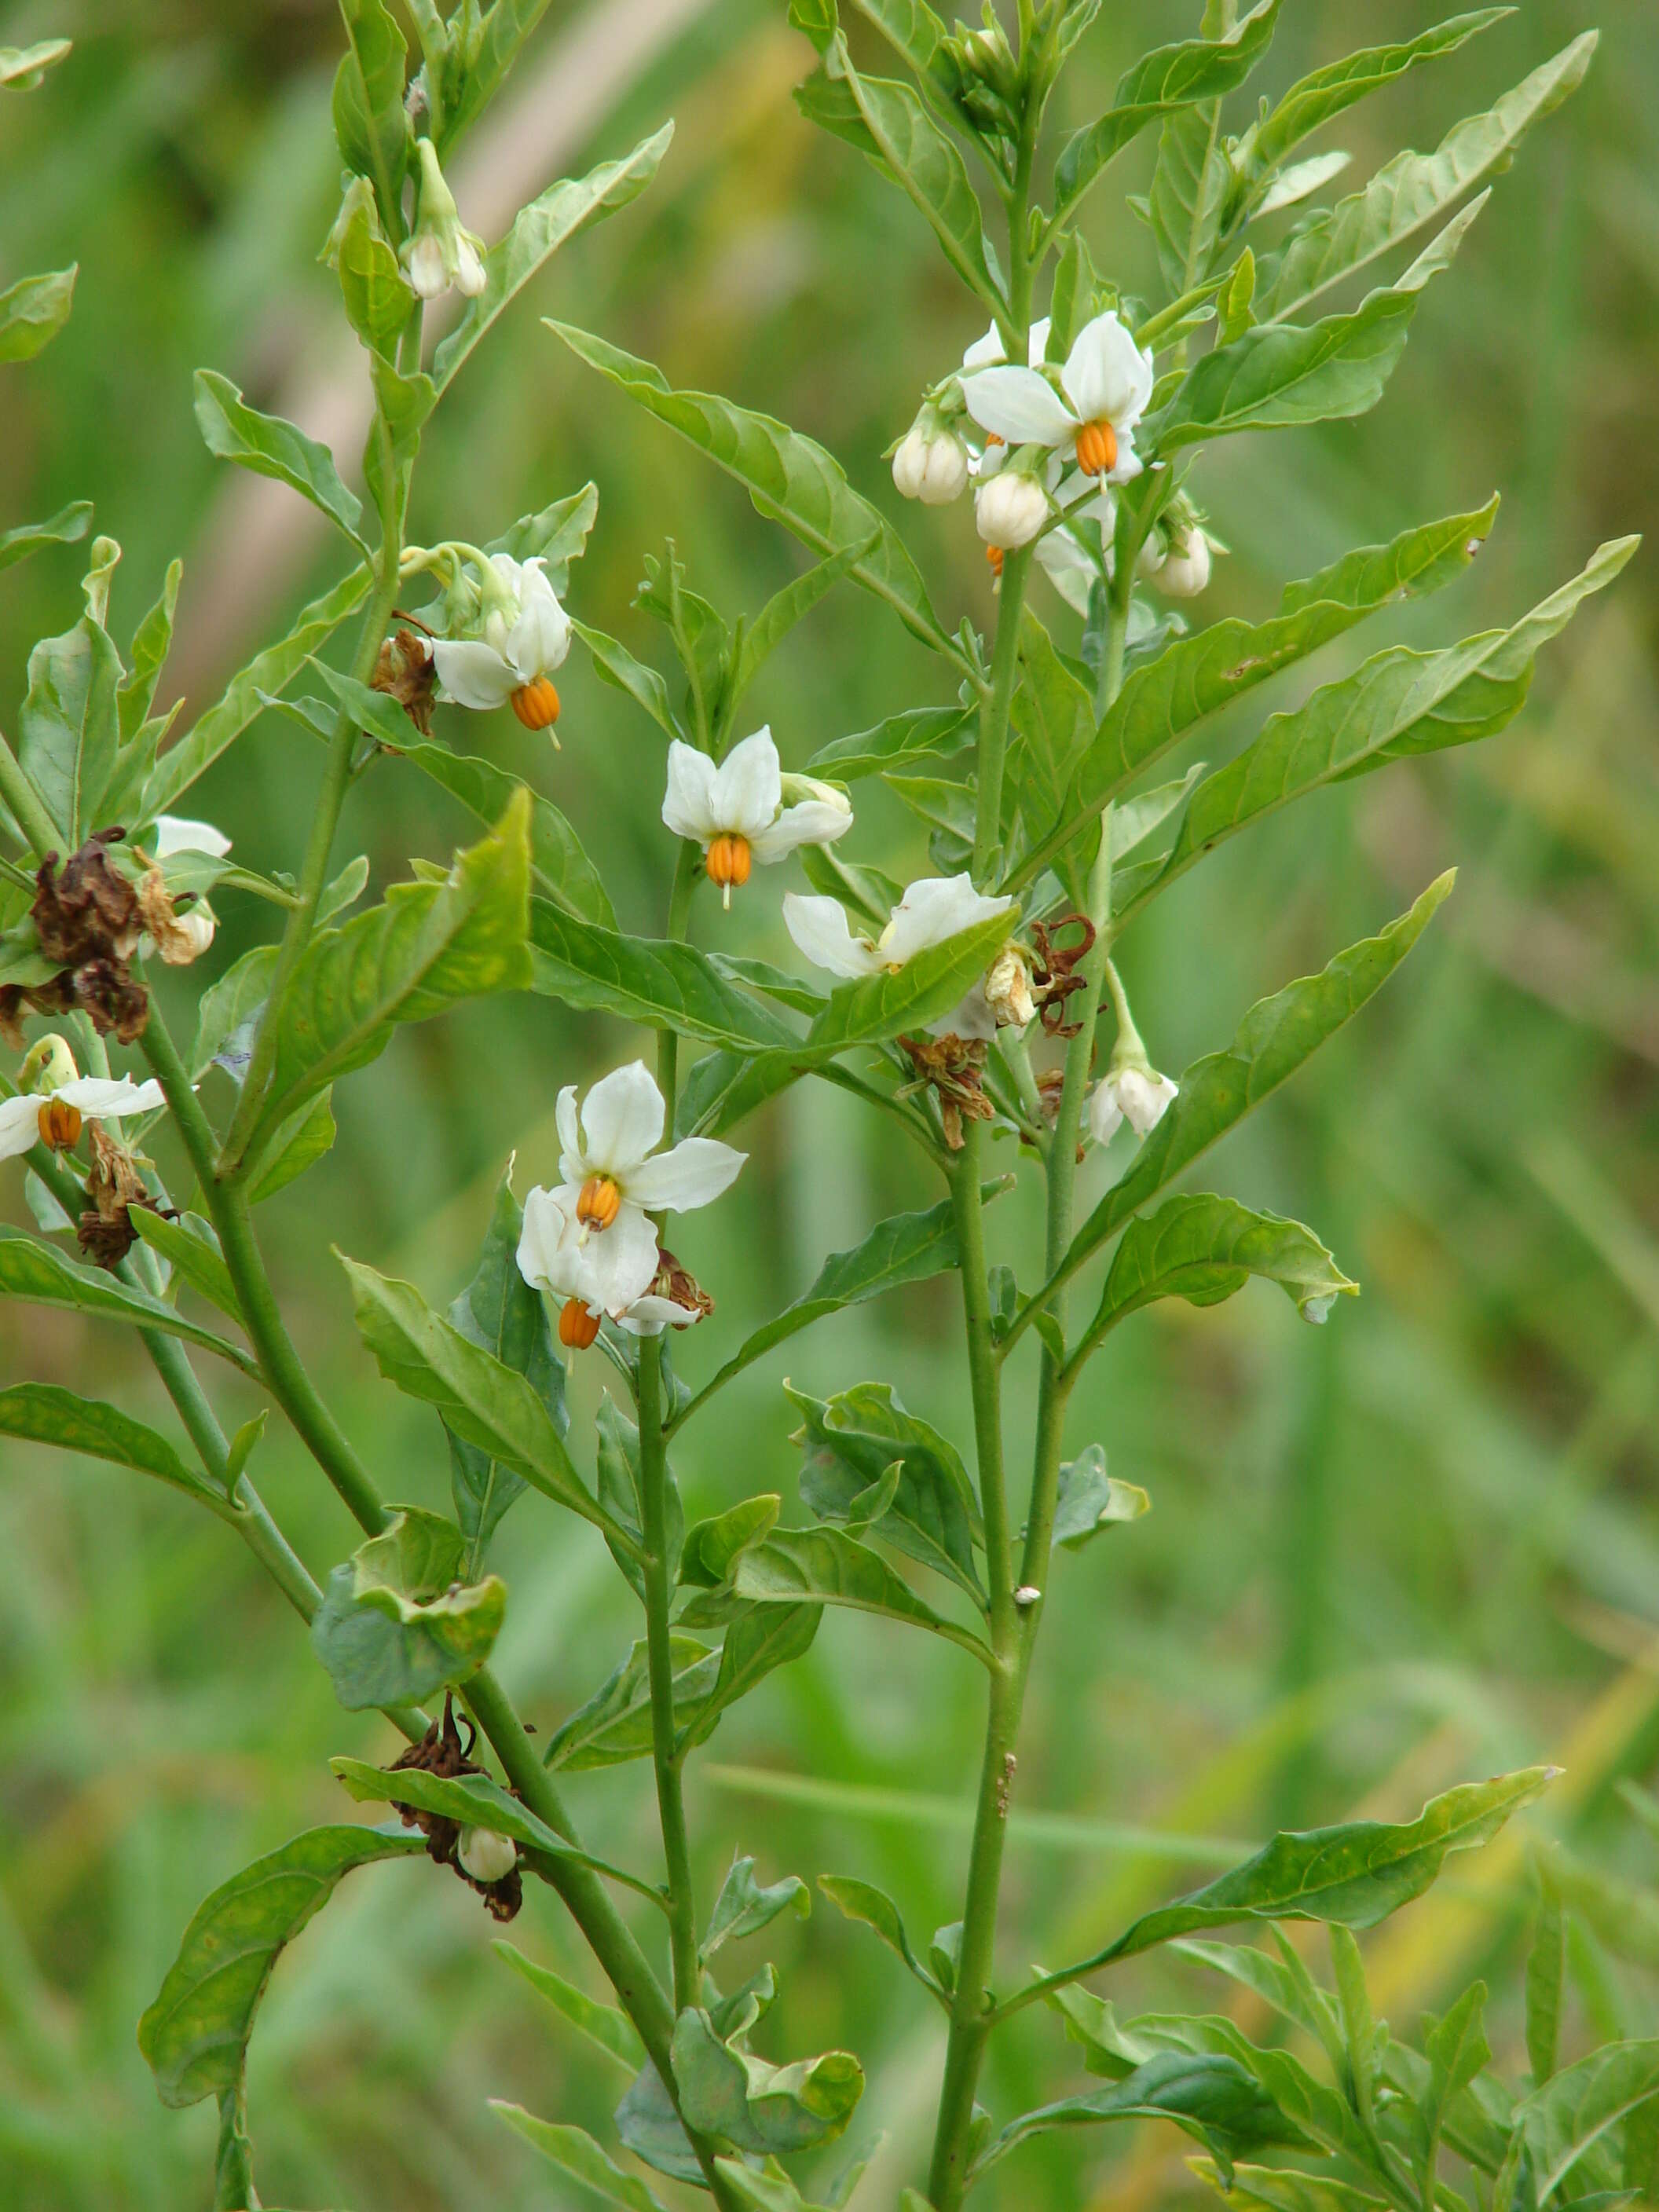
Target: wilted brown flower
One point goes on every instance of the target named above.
(674, 1281)
(178, 941)
(88, 911)
(1054, 976)
(406, 672)
(952, 1067)
(105, 1230)
(441, 1752)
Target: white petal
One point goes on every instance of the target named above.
(1127, 465)
(815, 822)
(693, 1173)
(175, 834)
(1019, 405)
(688, 808)
(1105, 1114)
(101, 1099)
(1106, 376)
(622, 1259)
(20, 1125)
(1037, 346)
(473, 674)
(650, 1315)
(932, 909)
(986, 352)
(1145, 1097)
(552, 1254)
(820, 928)
(971, 1018)
(572, 1166)
(622, 1120)
(540, 638)
(749, 787)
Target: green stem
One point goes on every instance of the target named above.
(671, 1802)
(17, 789)
(994, 719)
(680, 915)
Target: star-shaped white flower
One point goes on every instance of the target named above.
(525, 634)
(88, 1097)
(1092, 404)
(736, 811)
(557, 1253)
(932, 909)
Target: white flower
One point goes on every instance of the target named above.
(1179, 567)
(931, 464)
(932, 910)
(1093, 406)
(594, 1276)
(1138, 1096)
(87, 1098)
(1010, 508)
(176, 834)
(485, 1855)
(525, 632)
(736, 811)
(440, 252)
(193, 932)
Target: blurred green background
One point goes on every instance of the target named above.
(1418, 1546)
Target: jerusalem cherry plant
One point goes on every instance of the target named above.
(975, 1007)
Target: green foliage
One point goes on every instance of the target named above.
(32, 313)
(402, 1620)
(270, 448)
(47, 1414)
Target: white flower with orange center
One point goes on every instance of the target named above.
(931, 911)
(523, 634)
(1088, 405)
(56, 1101)
(736, 811)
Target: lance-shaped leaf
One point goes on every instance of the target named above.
(621, 669)
(1352, 1876)
(1196, 676)
(537, 232)
(745, 1905)
(377, 297)
(825, 1566)
(926, 165)
(402, 1618)
(612, 2031)
(662, 984)
(296, 1145)
(32, 313)
(1309, 2110)
(45, 1277)
(135, 692)
(474, 1801)
(1571, 2119)
(371, 127)
(1313, 102)
(195, 2034)
(577, 2155)
(69, 721)
(270, 448)
(913, 29)
(1211, 2098)
(1265, 2188)
(769, 2111)
(1174, 76)
(429, 946)
(862, 1436)
(244, 698)
(1203, 1249)
(70, 524)
(21, 67)
(482, 1400)
(1400, 704)
(1088, 1500)
(759, 1638)
(615, 1724)
(193, 1253)
(862, 1901)
(558, 863)
(929, 984)
(789, 478)
(762, 636)
(895, 743)
(556, 534)
(1414, 190)
(46, 1413)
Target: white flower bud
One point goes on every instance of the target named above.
(471, 277)
(485, 1855)
(798, 790)
(1186, 571)
(1008, 988)
(423, 265)
(194, 930)
(1138, 1096)
(1010, 508)
(932, 462)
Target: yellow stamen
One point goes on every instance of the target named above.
(728, 862)
(598, 1203)
(60, 1125)
(1097, 448)
(536, 705)
(577, 1326)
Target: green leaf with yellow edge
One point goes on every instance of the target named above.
(195, 2035)
(403, 1619)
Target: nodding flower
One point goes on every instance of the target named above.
(932, 910)
(55, 1101)
(440, 252)
(930, 461)
(737, 812)
(1088, 405)
(520, 633)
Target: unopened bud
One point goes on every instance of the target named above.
(1010, 509)
(931, 464)
(485, 1855)
(50, 1065)
(1008, 988)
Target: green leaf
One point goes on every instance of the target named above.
(620, 669)
(21, 67)
(786, 607)
(1176, 76)
(193, 1253)
(1089, 1500)
(1164, 699)
(769, 2110)
(1313, 102)
(135, 692)
(1545, 1975)
(1400, 704)
(403, 1619)
(824, 1566)
(474, 1801)
(860, 1436)
(745, 1905)
(556, 534)
(272, 447)
(1261, 2189)
(378, 299)
(1203, 1249)
(930, 984)
(537, 232)
(861, 1901)
(1353, 1875)
(45, 1277)
(1566, 2120)
(1054, 727)
(232, 2166)
(578, 2156)
(615, 1724)
(613, 2031)
(711, 1546)
(1282, 1982)
(295, 1144)
(1414, 190)
(815, 19)
(501, 32)
(927, 168)
(1358, 2066)
(46, 1413)
(760, 1639)
(33, 311)
(893, 743)
(69, 724)
(912, 28)
(557, 862)
(789, 478)
(1457, 2052)
(195, 2034)
(909, 1248)
(662, 984)
(370, 126)
(68, 524)
(1211, 2098)
(483, 1400)
(650, 2127)
(243, 699)
(429, 946)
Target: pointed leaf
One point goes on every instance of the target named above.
(578, 2155)
(1203, 1249)
(1210, 2097)
(615, 1725)
(861, 1435)
(193, 1253)
(1565, 2121)
(861, 1901)
(558, 863)
(1088, 1500)
(823, 1567)
(70, 524)
(927, 168)
(296, 1144)
(1313, 102)
(758, 1640)
(69, 724)
(1546, 1976)
(613, 2031)
(370, 124)
(745, 1905)
(32, 313)
(271, 447)
(46, 1413)
(45, 1277)
(901, 739)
